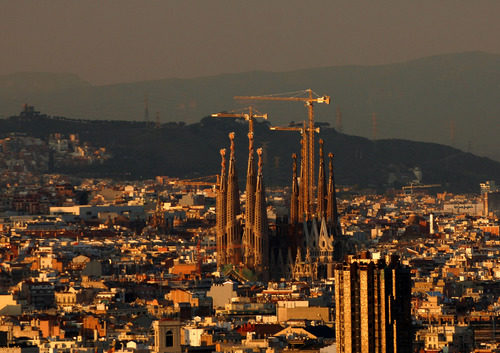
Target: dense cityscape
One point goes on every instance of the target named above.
(169, 265)
(280, 176)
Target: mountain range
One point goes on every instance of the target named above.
(448, 99)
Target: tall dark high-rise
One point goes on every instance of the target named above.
(373, 306)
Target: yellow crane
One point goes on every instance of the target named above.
(412, 186)
(200, 181)
(309, 101)
(247, 116)
(250, 116)
(302, 129)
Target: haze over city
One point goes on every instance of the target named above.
(124, 41)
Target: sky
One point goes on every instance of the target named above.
(115, 41)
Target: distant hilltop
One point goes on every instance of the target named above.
(138, 150)
(449, 99)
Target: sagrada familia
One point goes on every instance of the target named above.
(304, 246)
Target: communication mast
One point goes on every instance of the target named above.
(452, 132)
(374, 126)
(146, 109)
(338, 124)
(157, 123)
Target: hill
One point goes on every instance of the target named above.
(451, 99)
(181, 150)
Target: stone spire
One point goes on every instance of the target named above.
(260, 224)
(302, 186)
(220, 211)
(321, 205)
(233, 210)
(294, 202)
(248, 238)
(331, 212)
(298, 258)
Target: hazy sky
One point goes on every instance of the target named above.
(122, 40)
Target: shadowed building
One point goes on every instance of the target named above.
(373, 306)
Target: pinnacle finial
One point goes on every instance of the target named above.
(330, 165)
(294, 157)
(223, 156)
(250, 141)
(259, 153)
(321, 142)
(231, 138)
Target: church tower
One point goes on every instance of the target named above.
(248, 238)
(332, 215)
(233, 253)
(294, 201)
(321, 204)
(261, 247)
(302, 185)
(167, 337)
(220, 212)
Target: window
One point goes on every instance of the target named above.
(169, 339)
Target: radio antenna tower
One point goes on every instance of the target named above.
(146, 109)
(339, 120)
(157, 124)
(452, 132)
(374, 126)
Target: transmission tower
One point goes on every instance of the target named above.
(338, 124)
(374, 126)
(146, 109)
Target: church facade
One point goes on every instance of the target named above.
(304, 246)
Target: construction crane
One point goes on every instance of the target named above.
(201, 181)
(309, 103)
(250, 116)
(247, 116)
(412, 186)
(305, 205)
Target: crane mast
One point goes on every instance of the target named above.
(305, 206)
(309, 142)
